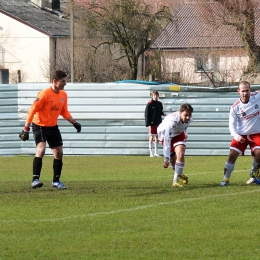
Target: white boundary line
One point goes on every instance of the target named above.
(128, 210)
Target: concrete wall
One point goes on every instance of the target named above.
(112, 117)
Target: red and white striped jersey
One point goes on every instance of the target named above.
(244, 118)
(171, 126)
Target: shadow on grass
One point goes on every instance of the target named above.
(120, 188)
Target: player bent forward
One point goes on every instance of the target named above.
(244, 127)
(43, 114)
(172, 132)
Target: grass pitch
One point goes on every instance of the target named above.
(123, 207)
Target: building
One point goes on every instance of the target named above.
(33, 34)
(196, 46)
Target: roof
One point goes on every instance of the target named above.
(43, 20)
(191, 29)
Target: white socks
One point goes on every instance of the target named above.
(151, 148)
(156, 148)
(255, 166)
(229, 167)
(178, 170)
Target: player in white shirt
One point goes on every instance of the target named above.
(244, 127)
(172, 132)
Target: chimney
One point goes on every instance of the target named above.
(39, 3)
(55, 4)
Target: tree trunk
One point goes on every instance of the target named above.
(134, 67)
(253, 52)
(247, 33)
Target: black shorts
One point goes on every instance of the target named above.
(50, 134)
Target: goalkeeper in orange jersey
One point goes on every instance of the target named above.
(43, 115)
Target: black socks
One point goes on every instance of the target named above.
(57, 167)
(37, 167)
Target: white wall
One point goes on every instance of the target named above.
(232, 61)
(26, 50)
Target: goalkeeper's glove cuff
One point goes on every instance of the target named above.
(26, 128)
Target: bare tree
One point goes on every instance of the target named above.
(242, 14)
(17, 77)
(58, 60)
(110, 38)
(126, 26)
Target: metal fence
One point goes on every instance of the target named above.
(112, 117)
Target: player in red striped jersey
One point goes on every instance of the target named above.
(244, 127)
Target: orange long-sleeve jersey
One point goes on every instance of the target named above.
(47, 107)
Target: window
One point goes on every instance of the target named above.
(207, 62)
(4, 76)
(202, 63)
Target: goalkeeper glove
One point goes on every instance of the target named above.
(24, 134)
(76, 125)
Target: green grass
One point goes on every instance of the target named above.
(125, 208)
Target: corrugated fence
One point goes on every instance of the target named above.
(112, 117)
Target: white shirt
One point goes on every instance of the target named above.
(171, 126)
(244, 118)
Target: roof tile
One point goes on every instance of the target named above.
(42, 19)
(191, 29)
